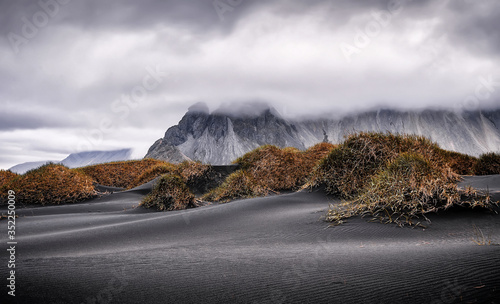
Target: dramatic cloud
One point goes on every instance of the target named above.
(77, 75)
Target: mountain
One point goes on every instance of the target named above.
(25, 167)
(88, 158)
(227, 133)
(220, 137)
(80, 159)
(471, 133)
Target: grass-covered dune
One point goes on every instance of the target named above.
(391, 177)
(269, 169)
(49, 184)
(122, 174)
(487, 164)
(57, 184)
(175, 189)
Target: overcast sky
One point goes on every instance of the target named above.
(99, 75)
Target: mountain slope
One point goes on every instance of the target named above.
(222, 136)
(472, 133)
(87, 158)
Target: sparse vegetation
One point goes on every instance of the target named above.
(174, 190)
(459, 163)
(50, 184)
(480, 239)
(269, 169)
(6, 177)
(405, 190)
(487, 164)
(199, 178)
(121, 174)
(152, 173)
(393, 178)
(239, 184)
(348, 168)
(169, 193)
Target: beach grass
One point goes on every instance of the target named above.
(269, 169)
(120, 174)
(49, 184)
(487, 164)
(169, 193)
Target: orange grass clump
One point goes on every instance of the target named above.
(120, 174)
(393, 178)
(348, 168)
(169, 193)
(51, 184)
(152, 173)
(269, 169)
(487, 164)
(462, 164)
(6, 177)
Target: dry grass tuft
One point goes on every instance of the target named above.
(169, 193)
(459, 163)
(152, 173)
(239, 184)
(199, 178)
(275, 168)
(487, 164)
(121, 174)
(393, 178)
(174, 190)
(348, 168)
(269, 169)
(51, 184)
(6, 177)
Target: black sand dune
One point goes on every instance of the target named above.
(264, 250)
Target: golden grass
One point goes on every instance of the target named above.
(121, 174)
(6, 177)
(51, 184)
(239, 184)
(174, 190)
(152, 173)
(459, 163)
(348, 168)
(392, 178)
(487, 164)
(269, 169)
(169, 193)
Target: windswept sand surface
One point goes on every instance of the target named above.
(265, 250)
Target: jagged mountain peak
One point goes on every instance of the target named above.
(232, 130)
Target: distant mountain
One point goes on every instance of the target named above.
(24, 167)
(80, 159)
(223, 135)
(88, 158)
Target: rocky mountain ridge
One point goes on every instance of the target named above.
(220, 137)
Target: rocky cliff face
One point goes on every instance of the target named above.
(472, 133)
(222, 136)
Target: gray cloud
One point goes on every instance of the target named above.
(72, 75)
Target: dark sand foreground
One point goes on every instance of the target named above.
(265, 250)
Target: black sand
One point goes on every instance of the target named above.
(265, 250)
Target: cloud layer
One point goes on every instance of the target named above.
(99, 75)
